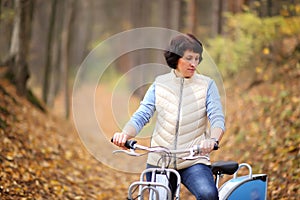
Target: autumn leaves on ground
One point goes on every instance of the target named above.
(42, 156)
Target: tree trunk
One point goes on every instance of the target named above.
(191, 16)
(20, 44)
(0, 7)
(175, 17)
(235, 6)
(138, 57)
(55, 74)
(221, 4)
(69, 6)
(48, 67)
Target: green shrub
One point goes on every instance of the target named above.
(246, 37)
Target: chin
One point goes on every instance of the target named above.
(189, 75)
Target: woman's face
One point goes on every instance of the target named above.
(187, 64)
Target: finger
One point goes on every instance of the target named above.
(120, 140)
(124, 139)
(117, 139)
(202, 148)
(206, 147)
(114, 138)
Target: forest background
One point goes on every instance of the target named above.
(254, 43)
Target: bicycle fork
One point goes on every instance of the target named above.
(158, 187)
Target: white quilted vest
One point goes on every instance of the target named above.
(181, 116)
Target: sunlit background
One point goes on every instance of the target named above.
(253, 50)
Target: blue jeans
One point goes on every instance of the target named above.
(198, 179)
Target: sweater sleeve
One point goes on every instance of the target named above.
(214, 107)
(144, 113)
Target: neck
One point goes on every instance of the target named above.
(177, 73)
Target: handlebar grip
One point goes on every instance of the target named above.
(216, 146)
(129, 144)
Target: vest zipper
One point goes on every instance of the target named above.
(178, 119)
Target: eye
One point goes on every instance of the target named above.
(199, 59)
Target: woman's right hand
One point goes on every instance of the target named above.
(120, 138)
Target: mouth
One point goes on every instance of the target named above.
(191, 70)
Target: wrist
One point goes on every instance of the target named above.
(215, 140)
(129, 130)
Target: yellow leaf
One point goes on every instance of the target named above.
(54, 182)
(266, 51)
(268, 121)
(266, 77)
(10, 156)
(68, 154)
(258, 70)
(295, 99)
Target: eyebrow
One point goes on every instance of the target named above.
(192, 56)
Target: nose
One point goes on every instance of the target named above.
(193, 63)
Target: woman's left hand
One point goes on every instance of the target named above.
(207, 146)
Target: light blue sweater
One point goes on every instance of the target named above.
(147, 108)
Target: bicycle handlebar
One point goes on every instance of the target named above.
(132, 145)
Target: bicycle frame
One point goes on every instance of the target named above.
(245, 187)
(158, 187)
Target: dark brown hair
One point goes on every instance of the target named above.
(179, 45)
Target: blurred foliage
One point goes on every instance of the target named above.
(245, 36)
(263, 129)
(260, 59)
(7, 15)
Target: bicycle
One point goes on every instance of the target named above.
(251, 186)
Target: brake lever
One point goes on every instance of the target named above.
(192, 157)
(129, 152)
(193, 152)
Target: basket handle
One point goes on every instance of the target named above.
(244, 165)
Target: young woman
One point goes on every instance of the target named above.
(184, 101)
